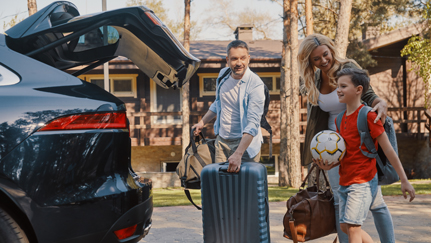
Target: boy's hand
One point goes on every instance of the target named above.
(407, 187)
(324, 164)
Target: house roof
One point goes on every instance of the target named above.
(216, 50)
(394, 36)
(265, 51)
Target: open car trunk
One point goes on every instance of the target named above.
(58, 36)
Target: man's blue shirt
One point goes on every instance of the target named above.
(252, 100)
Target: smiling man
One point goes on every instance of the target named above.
(238, 106)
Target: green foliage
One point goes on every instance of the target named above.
(381, 16)
(418, 50)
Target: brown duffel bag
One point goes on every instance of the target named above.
(310, 212)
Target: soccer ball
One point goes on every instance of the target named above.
(328, 145)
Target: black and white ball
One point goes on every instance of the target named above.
(328, 145)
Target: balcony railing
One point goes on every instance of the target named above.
(410, 120)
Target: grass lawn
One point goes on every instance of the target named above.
(176, 197)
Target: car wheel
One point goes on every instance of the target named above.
(10, 231)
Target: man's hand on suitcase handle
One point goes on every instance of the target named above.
(234, 162)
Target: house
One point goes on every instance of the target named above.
(155, 113)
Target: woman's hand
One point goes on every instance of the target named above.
(382, 110)
(324, 165)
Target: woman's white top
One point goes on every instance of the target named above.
(329, 103)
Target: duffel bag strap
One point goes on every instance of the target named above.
(293, 231)
(309, 172)
(324, 176)
(187, 192)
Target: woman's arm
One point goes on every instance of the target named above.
(377, 103)
(381, 107)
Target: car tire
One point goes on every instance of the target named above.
(10, 231)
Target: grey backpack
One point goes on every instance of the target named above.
(386, 173)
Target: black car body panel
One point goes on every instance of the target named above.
(59, 178)
(76, 184)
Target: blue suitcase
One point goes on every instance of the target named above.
(235, 205)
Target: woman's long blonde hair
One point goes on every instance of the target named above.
(307, 70)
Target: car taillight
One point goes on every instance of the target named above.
(111, 120)
(154, 18)
(126, 232)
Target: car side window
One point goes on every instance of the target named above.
(7, 77)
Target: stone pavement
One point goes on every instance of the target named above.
(184, 223)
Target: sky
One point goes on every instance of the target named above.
(200, 9)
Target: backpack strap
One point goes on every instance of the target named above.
(227, 72)
(364, 133)
(187, 192)
(339, 118)
(263, 122)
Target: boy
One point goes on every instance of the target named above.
(358, 173)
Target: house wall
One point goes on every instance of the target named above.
(153, 145)
(387, 82)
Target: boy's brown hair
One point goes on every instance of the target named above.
(358, 77)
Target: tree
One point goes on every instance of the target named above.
(185, 88)
(294, 154)
(309, 17)
(342, 34)
(177, 27)
(290, 165)
(418, 50)
(382, 16)
(284, 96)
(226, 16)
(32, 7)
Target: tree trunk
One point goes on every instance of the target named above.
(32, 7)
(342, 34)
(185, 88)
(284, 96)
(309, 17)
(294, 166)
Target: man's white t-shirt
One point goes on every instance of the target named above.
(230, 122)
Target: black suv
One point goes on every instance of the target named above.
(65, 171)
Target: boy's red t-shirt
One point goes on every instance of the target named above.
(356, 168)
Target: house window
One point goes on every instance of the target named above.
(121, 85)
(165, 100)
(207, 84)
(98, 82)
(272, 81)
(169, 166)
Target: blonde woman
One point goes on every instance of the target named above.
(319, 62)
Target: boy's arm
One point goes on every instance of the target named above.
(396, 163)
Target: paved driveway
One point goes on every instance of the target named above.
(184, 223)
